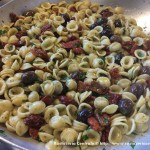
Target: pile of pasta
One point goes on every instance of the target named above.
(60, 59)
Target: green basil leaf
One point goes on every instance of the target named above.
(85, 137)
(2, 32)
(132, 144)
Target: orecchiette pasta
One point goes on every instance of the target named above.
(74, 73)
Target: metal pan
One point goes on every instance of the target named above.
(138, 9)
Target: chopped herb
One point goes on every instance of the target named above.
(39, 140)
(103, 58)
(10, 47)
(64, 77)
(79, 147)
(106, 96)
(50, 78)
(32, 44)
(2, 32)
(21, 84)
(77, 44)
(18, 28)
(2, 132)
(106, 120)
(134, 133)
(85, 137)
(124, 31)
(132, 144)
(82, 76)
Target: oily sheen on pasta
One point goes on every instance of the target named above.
(74, 73)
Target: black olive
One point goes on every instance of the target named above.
(93, 26)
(78, 75)
(145, 70)
(137, 89)
(136, 60)
(126, 107)
(107, 33)
(29, 78)
(106, 27)
(66, 18)
(65, 89)
(101, 21)
(115, 38)
(29, 13)
(56, 34)
(118, 58)
(1, 63)
(84, 114)
(118, 23)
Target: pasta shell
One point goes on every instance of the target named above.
(124, 83)
(115, 135)
(110, 109)
(84, 105)
(141, 121)
(61, 109)
(45, 137)
(79, 126)
(71, 111)
(131, 126)
(140, 102)
(2, 86)
(129, 95)
(53, 144)
(116, 89)
(101, 103)
(140, 54)
(93, 137)
(69, 135)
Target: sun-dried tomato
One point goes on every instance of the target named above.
(147, 45)
(94, 124)
(13, 17)
(80, 28)
(73, 9)
(106, 13)
(33, 133)
(67, 100)
(114, 98)
(20, 34)
(2, 45)
(148, 83)
(70, 44)
(114, 72)
(46, 27)
(1, 63)
(105, 134)
(127, 45)
(19, 43)
(72, 18)
(107, 52)
(134, 47)
(34, 121)
(82, 87)
(103, 120)
(47, 100)
(95, 87)
(78, 50)
(40, 53)
(72, 38)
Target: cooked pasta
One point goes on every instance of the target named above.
(74, 73)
